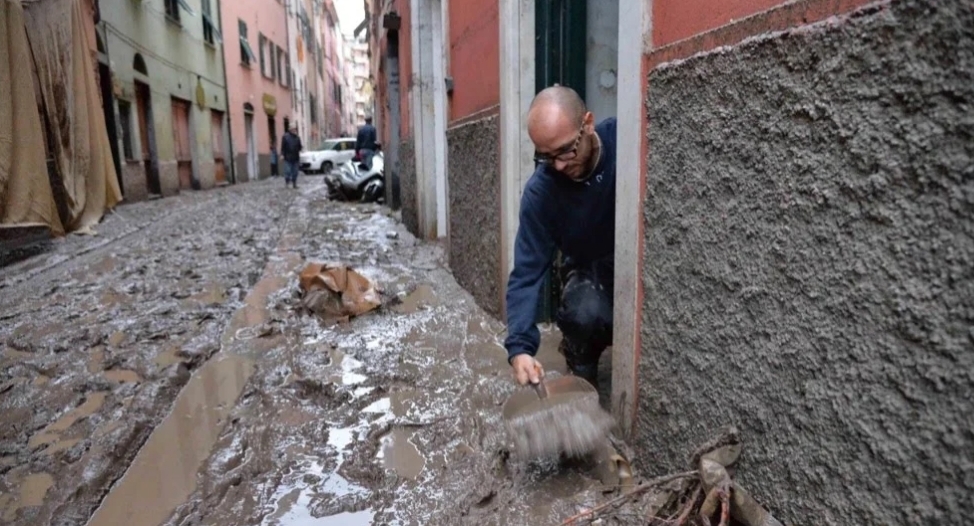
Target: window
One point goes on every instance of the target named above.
(272, 59)
(210, 32)
(289, 75)
(261, 52)
(246, 54)
(172, 9)
(279, 60)
(125, 123)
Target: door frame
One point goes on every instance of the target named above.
(517, 88)
(428, 96)
(179, 105)
(250, 136)
(635, 30)
(147, 134)
(561, 29)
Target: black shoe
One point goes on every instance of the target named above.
(576, 359)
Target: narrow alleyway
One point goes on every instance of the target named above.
(161, 373)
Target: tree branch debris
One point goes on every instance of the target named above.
(667, 504)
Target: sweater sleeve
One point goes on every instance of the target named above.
(534, 250)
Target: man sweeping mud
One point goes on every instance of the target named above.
(568, 204)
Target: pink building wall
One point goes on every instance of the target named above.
(248, 84)
(331, 36)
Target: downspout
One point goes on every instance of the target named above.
(231, 160)
(287, 35)
(108, 59)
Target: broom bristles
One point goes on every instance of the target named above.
(574, 428)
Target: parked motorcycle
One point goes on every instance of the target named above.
(358, 179)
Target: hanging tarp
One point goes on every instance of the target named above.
(26, 199)
(79, 145)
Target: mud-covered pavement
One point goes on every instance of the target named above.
(162, 372)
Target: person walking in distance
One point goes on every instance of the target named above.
(274, 171)
(291, 151)
(365, 142)
(567, 204)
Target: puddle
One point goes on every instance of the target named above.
(422, 297)
(340, 440)
(93, 402)
(399, 454)
(293, 499)
(254, 312)
(357, 518)
(405, 402)
(163, 474)
(122, 376)
(33, 489)
(116, 338)
(11, 356)
(104, 266)
(168, 357)
(61, 446)
(382, 405)
(213, 294)
(346, 366)
(95, 358)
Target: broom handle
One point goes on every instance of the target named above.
(540, 389)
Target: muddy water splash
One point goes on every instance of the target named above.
(163, 474)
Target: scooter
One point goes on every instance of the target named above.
(358, 180)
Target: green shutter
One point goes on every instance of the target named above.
(560, 35)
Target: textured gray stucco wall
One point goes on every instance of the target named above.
(475, 222)
(407, 186)
(809, 265)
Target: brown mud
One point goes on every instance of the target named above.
(171, 378)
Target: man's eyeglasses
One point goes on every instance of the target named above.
(566, 154)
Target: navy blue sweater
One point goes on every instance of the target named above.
(577, 218)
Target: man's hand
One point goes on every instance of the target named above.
(527, 369)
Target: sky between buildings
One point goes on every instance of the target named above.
(350, 14)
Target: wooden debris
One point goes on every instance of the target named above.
(723, 499)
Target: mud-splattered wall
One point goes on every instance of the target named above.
(809, 265)
(474, 211)
(407, 185)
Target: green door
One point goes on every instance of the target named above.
(559, 59)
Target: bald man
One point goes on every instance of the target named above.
(568, 204)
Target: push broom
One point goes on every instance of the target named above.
(561, 415)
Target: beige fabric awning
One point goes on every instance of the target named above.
(25, 189)
(57, 31)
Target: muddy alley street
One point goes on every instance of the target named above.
(162, 372)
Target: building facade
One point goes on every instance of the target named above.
(333, 89)
(259, 83)
(165, 61)
(361, 80)
(348, 83)
(790, 245)
(304, 48)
